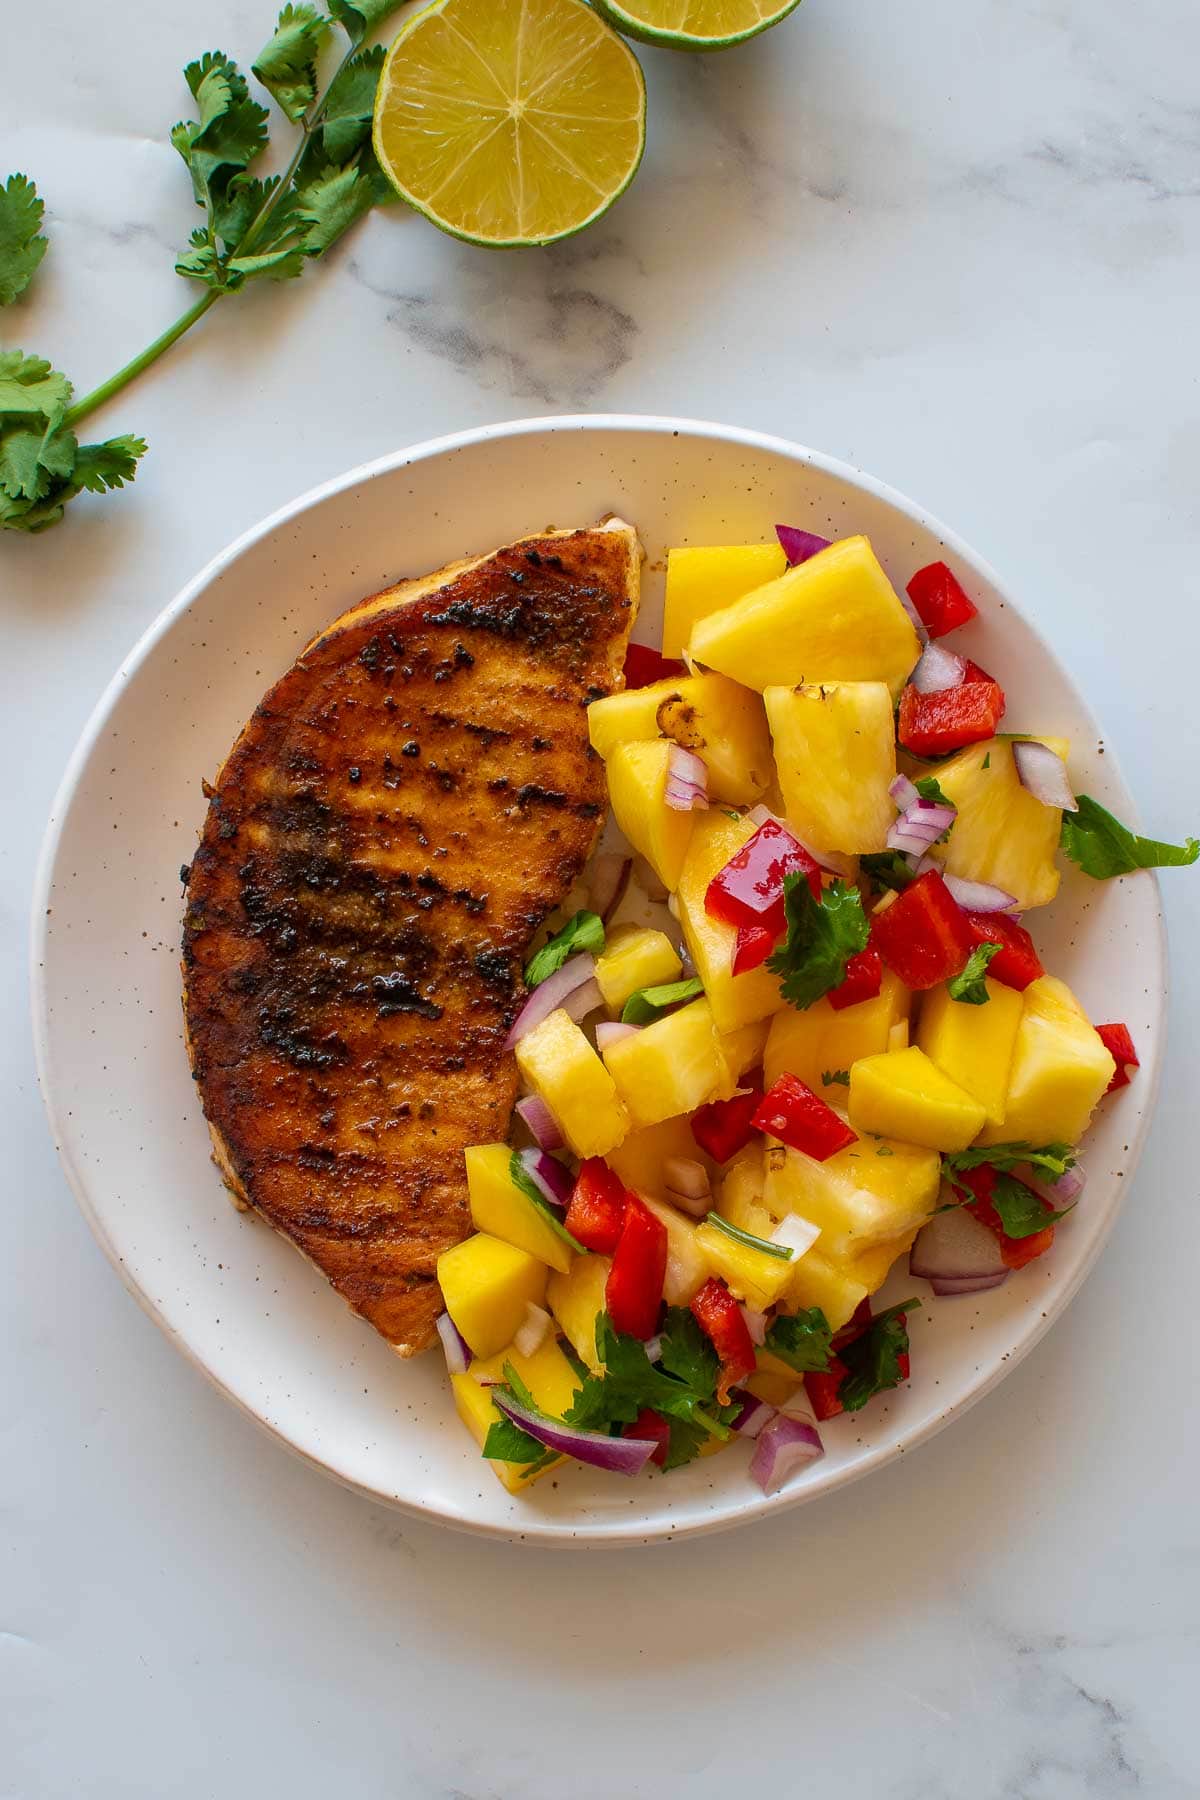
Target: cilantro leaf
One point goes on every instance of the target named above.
(29, 386)
(218, 146)
(520, 1177)
(287, 66)
(583, 932)
(651, 1003)
(334, 202)
(111, 464)
(1055, 1159)
(631, 1381)
(359, 18)
(350, 106)
(822, 936)
(42, 465)
(970, 984)
(1103, 847)
(22, 246)
(684, 1444)
(830, 1077)
(1020, 1210)
(888, 869)
(929, 789)
(688, 1352)
(506, 1442)
(873, 1358)
(802, 1340)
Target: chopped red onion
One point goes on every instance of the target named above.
(795, 1234)
(955, 1246)
(687, 780)
(979, 896)
(618, 1455)
(653, 1349)
(1063, 1192)
(533, 1331)
(687, 1185)
(611, 1031)
(550, 994)
(583, 1001)
(754, 1415)
(946, 1285)
(552, 1180)
(783, 1447)
(610, 878)
(756, 1322)
(455, 1345)
(938, 670)
(1043, 773)
(904, 792)
(687, 969)
(799, 545)
(540, 1122)
(920, 825)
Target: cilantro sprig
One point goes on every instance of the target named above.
(682, 1386)
(970, 984)
(822, 936)
(252, 228)
(583, 932)
(802, 1340)
(1021, 1212)
(652, 1003)
(872, 1359)
(888, 869)
(1103, 847)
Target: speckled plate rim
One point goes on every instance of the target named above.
(608, 1534)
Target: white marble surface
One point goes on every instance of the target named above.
(959, 243)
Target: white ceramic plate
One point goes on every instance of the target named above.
(234, 1296)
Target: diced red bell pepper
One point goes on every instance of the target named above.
(1119, 1044)
(644, 665)
(863, 980)
(822, 1386)
(633, 1292)
(940, 599)
(752, 946)
(596, 1209)
(724, 1127)
(718, 1315)
(1016, 1252)
(650, 1424)
(749, 889)
(1018, 963)
(791, 1112)
(924, 935)
(935, 724)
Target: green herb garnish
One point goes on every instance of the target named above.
(520, 1177)
(22, 246)
(651, 1003)
(781, 1252)
(685, 1396)
(888, 869)
(873, 1359)
(822, 936)
(970, 984)
(1103, 847)
(830, 1077)
(801, 1340)
(584, 932)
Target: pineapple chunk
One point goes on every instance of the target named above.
(639, 1160)
(973, 1045)
(752, 1275)
(486, 1284)
(835, 749)
(821, 1041)
(772, 1381)
(577, 1299)
(743, 1049)
(901, 1094)
(836, 617)
(873, 1267)
(687, 1270)
(637, 788)
(548, 1376)
(1002, 834)
(560, 1065)
(1060, 1069)
(703, 580)
(736, 1000)
(499, 1206)
(672, 1066)
(718, 719)
(833, 1287)
(636, 957)
(868, 1194)
(741, 1200)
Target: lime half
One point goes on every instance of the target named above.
(510, 122)
(694, 24)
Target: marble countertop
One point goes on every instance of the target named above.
(957, 242)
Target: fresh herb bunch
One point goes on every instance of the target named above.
(252, 228)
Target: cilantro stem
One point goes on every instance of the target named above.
(152, 352)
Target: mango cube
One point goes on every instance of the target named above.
(865, 1195)
(1060, 1069)
(637, 789)
(639, 1161)
(835, 617)
(736, 1000)
(500, 1207)
(973, 1045)
(1003, 834)
(577, 1299)
(901, 1094)
(834, 1287)
(835, 751)
(672, 1066)
(821, 1041)
(687, 1270)
(702, 580)
(635, 957)
(717, 718)
(752, 1275)
(561, 1066)
(548, 1376)
(486, 1285)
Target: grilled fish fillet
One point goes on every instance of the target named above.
(402, 812)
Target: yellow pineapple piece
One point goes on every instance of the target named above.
(973, 1045)
(687, 1270)
(548, 1376)
(834, 1287)
(821, 1041)
(835, 750)
(1002, 834)
(772, 1381)
(872, 1267)
(577, 1299)
(702, 580)
(753, 1275)
(836, 617)
(498, 1205)
(736, 1000)
(1060, 1069)
(743, 1048)
(561, 1066)
(486, 1284)
(717, 718)
(672, 1066)
(637, 787)
(639, 1161)
(901, 1094)
(897, 1038)
(741, 1193)
(870, 1193)
(635, 957)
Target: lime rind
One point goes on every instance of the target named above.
(664, 38)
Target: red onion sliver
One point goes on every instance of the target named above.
(533, 1331)
(795, 1234)
(1056, 1194)
(1043, 773)
(618, 1455)
(799, 545)
(754, 1415)
(938, 670)
(687, 1176)
(782, 1447)
(583, 1001)
(653, 1349)
(611, 1031)
(550, 994)
(756, 1322)
(454, 1344)
(946, 1285)
(979, 896)
(552, 1180)
(904, 793)
(955, 1246)
(540, 1122)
